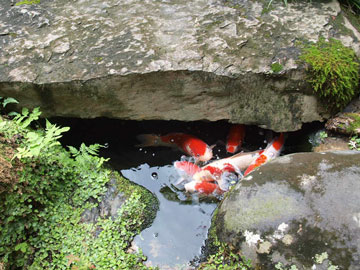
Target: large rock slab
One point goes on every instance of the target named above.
(169, 59)
(297, 210)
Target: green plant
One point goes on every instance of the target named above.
(333, 71)
(40, 141)
(354, 123)
(7, 101)
(225, 259)
(27, 2)
(276, 67)
(323, 135)
(41, 211)
(354, 143)
(353, 5)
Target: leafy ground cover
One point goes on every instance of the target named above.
(45, 188)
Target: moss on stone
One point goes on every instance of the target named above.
(276, 67)
(27, 2)
(333, 72)
(354, 20)
(152, 204)
(354, 125)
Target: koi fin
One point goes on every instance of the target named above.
(148, 140)
(212, 146)
(253, 154)
(249, 169)
(180, 181)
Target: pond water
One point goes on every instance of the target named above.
(180, 227)
(178, 233)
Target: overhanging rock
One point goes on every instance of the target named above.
(166, 60)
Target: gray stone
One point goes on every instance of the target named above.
(346, 122)
(166, 59)
(109, 205)
(298, 210)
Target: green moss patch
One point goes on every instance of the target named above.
(27, 2)
(151, 203)
(354, 125)
(333, 72)
(276, 67)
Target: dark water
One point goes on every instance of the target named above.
(182, 222)
(180, 227)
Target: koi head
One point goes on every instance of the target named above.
(208, 154)
(235, 138)
(279, 142)
(198, 149)
(231, 148)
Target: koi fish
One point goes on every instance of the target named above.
(186, 170)
(235, 138)
(203, 187)
(187, 143)
(215, 177)
(233, 164)
(271, 151)
(186, 167)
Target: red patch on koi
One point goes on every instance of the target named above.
(207, 187)
(235, 138)
(213, 170)
(187, 143)
(229, 168)
(188, 167)
(278, 143)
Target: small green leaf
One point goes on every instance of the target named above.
(22, 247)
(8, 101)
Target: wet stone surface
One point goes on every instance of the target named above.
(294, 209)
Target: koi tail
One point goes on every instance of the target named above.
(148, 140)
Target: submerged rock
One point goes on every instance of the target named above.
(167, 60)
(301, 209)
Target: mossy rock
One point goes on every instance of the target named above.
(333, 71)
(119, 189)
(295, 209)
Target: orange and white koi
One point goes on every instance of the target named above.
(271, 151)
(235, 138)
(187, 143)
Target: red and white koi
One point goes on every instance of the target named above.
(204, 187)
(215, 177)
(186, 170)
(235, 138)
(271, 151)
(233, 164)
(187, 143)
(186, 167)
